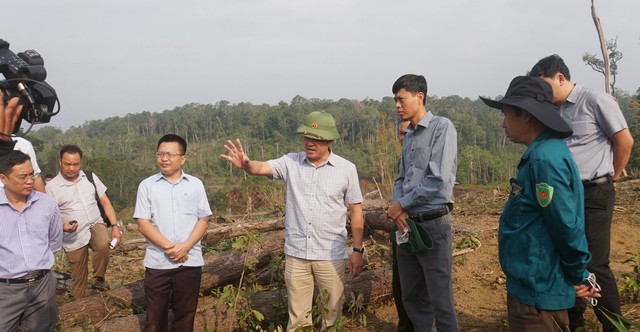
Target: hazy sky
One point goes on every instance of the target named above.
(108, 58)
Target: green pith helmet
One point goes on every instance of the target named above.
(319, 125)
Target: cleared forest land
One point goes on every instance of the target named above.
(478, 280)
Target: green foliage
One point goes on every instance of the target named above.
(630, 289)
(319, 313)
(467, 242)
(618, 321)
(121, 149)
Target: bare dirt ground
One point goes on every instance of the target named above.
(478, 280)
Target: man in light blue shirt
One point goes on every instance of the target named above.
(31, 232)
(173, 213)
(423, 192)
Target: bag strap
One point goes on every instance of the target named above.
(90, 178)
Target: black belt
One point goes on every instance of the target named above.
(433, 214)
(597, 181)
(30, 277)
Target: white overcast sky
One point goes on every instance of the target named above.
(114, 57)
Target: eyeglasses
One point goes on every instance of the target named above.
(26, 177)
(167, 154)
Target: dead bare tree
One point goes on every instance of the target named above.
(603, 47)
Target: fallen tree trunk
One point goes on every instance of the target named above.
(219, 269)
(370, 287)
(217, 232)
(373, 219)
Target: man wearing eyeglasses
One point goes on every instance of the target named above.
(81, 221)
(322, 190)
(30, 234)
(172, 212)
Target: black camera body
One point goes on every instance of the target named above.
(24, 78)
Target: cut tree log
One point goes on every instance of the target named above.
(219, 269)
(370, 287)
(373, 219)
(216, 233)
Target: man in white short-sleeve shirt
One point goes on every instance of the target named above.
(322, 188)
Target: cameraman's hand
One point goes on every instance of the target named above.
(8, 117)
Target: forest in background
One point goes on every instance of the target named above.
(121, 150)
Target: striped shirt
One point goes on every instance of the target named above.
(316, 204)
(29, 238)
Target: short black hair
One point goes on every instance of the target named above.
(412, 83)
(70, 149)
(11, 159)
(173, 138)
(549, 66)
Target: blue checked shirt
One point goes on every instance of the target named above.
(316, 204)
(29, 238)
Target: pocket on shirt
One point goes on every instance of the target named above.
(189, 205)
(41, 233)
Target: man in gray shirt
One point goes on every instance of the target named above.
(601, 145)
(423, 192)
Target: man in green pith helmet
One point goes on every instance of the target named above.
(322, 190)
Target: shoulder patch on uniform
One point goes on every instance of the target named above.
(544, 194)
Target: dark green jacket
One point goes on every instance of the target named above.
(541, 239)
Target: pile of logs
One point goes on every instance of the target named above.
(122, 308)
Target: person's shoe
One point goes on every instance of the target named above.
(101, 285)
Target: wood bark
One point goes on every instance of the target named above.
(373, 219)
(219, 269)
(603, 48)
(215, 233)
(370, 287)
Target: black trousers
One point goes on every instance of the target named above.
(178, 287)
(599, 200)
(404, 323)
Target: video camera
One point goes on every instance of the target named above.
(24, 78)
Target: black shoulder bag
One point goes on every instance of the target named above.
(100, 207)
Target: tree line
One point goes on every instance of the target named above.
(121, 150)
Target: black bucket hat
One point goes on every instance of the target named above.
(419, 238)
(535, 96)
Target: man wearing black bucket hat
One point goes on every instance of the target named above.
(321, 188)
(541, 241)
(601, 145)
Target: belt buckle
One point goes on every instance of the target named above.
(32, 277)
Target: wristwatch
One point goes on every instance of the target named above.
(360, 250)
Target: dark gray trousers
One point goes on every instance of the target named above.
(30, 307)
(427, 292)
